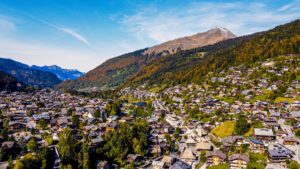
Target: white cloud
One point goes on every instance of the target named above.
(68, 31)
(241, 18)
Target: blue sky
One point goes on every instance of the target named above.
(82, 34)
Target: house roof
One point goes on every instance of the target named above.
(167, 159)
(255, 141)
(180, 165)
(216, 153)
(203, 146)
(188, 154)
(295, 114)
(238, 157)
(263, 132)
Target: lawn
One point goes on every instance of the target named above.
(224, 130)
(285, 99)
(226, 99)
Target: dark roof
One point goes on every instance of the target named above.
(255, 141)
(180, 165)
(238, 157)
(141, 104)
(216, 153)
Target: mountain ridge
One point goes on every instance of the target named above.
(114, 72)
(194, 41)
(61, 73)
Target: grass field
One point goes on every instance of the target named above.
(224, 130)
(285, 99)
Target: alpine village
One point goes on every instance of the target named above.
(211, 100)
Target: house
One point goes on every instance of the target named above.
(190, 142)
(168, 160)
(188, 155)
(203, 146)
(279, 154)
(180, 165)
(290, 141)
(264, 134)
(7, 145)
(215, 157)
(158, 165)
(256, 146)
(238, 161)
(231, 140)
(295, 115)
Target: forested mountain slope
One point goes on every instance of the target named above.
(284, 39)
(114, 72)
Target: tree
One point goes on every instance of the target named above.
(220, 166)
(85, 155)
(32, 145)
(66, 145)
(242, 126)
(97, 113)
(75, 120)
(203, 157)
(293, 165)
(69, 111)
(30, 161)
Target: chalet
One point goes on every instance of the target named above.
(238, 161)
(232, 140)
(264, 134)
(158, 165)
(215, 157)
(15, 125)
(290, 141)
(203, 146)
(256, 146)
(188, 155)
(279, 154)
(7, 145)
(168, 160)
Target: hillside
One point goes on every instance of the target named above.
(27, 75)
(62, 74)
(8, 82)
(114, 72)
(284, 39)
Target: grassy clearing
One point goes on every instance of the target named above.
(226, 99)
(285, 99)
(224, 130)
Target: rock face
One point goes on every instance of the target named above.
(198, 40)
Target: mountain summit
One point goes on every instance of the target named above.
(189, 42)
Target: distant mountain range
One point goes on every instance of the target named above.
(46, 76)
(114, 72)
(62, 74)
